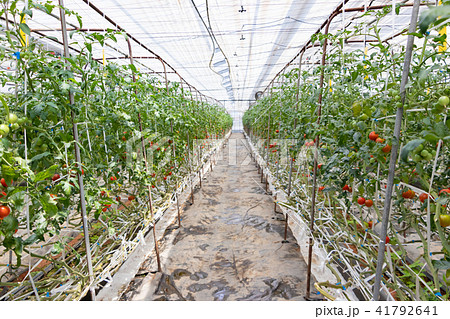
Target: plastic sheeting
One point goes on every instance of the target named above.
(228, 50)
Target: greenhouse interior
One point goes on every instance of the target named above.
(204, 150)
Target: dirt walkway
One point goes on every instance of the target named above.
(230, 244)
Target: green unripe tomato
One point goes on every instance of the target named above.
(356, 107)
(444, 100)
(134, 155)
(419, 148)
(4, 130)
(424, 153)
(417, 158)
(21, 120)
(372, 160)
(39, 141)
(15, 126)
(44, 147)
(12, 118)
(364, 117)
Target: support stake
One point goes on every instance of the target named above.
(394, 151)
(78, 160)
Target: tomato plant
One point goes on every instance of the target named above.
(359, 101)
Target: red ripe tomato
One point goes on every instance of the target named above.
(373, 136)
(277, 131)
(170, 173)
(319, 166)
(165, 178)
(379, 140)
(153, 186)
(361, 200)
(118, 198)
(423, 197)
(386, 149)
(3, 182)
(113, 178)
(131, 197)
(345, 188)
(104, 209)
(387, 239)
(103, 193)
(321, 188)
(56, 177)
(445, 190)
(4, 211)
(409, 194)
(370, 223)
(2, 194)
(368, 202)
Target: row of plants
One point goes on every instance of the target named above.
(120, 114)
(360, 97)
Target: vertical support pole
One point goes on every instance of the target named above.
(268, 139)
(394, 151)
(313, 199)
(190, 169)
(165, 75)
(78, 160)
(150, 203)
(286, 228)
(178, 209)
(297, 97)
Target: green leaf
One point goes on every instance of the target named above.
(441, 129)
(441, 264)
(25, 28)
(8, 173)
(28, 12)
(409, 147)
(31, 240)
(8, 242)
(40, 156)
(49, 7)
(47, 205)
(357, 137)
(5, 105)
(430, 137)
(10, 223)
(49, 172)
(431, 16)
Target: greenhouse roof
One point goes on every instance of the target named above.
(227, 50)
